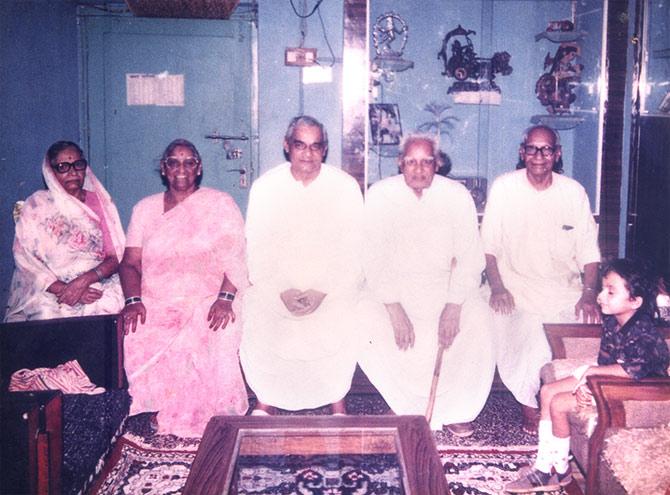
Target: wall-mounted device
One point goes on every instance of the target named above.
(300, 57)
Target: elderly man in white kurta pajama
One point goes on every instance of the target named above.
(303, 239)
(423, 262)
(539, 236)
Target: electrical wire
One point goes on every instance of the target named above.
(302, 16)
(325, 37)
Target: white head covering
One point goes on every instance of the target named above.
(71, 207)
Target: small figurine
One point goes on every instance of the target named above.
(389, 37)
(462, 57)
(555, 87)
(385, 35)
(564, 25)
(561, 31)
(464, 64)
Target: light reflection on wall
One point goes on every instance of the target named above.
(354, 88)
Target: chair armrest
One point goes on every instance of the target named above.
(557, 333)
(610, 393)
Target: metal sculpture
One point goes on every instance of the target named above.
(555, 87)
(389, 37)
(472, 73)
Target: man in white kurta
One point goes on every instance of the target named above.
(539, 237)
(303, 239)
(423, 262)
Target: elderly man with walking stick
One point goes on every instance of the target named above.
(423, 261)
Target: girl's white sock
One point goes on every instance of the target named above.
(561, 454)
(544, 460)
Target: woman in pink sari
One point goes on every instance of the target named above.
(183, 273)
(67, 245)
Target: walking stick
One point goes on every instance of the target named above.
(433, 385)
(438, 365)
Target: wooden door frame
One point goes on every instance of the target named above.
(611, 168)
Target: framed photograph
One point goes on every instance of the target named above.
(240, 454)
(385, 123)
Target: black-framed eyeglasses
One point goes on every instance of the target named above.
(173, 163)
(317, 147)
(424, 162)
(531, 150)
(64, 167)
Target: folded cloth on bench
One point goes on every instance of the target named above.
(68, 377)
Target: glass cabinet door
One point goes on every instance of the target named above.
(477, 73)
(647, 234)
(655, 67)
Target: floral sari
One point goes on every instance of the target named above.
(175, 363)
(58, 238)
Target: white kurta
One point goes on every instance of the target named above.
(541, 240)
(302, 237)
(409, 246)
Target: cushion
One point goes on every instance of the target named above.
(582, 424)
(560, 368)
(645, 414)
(639, 459)
(581, 348)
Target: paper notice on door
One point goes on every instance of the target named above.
(163, 90)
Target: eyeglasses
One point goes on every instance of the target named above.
(173, 163)
(424, 162)
(315, 147)
(532, 150)
(64, 167)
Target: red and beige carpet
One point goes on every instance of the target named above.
(480, 465)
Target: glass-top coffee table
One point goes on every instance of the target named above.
(317, 454)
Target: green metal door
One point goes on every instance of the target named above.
(147, 81)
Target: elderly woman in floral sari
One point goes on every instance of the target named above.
(182, 273)
(67, 245)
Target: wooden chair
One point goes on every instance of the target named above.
(621, 403)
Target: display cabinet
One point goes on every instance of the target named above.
(654, 57)
(476, 73)
(480, 133)
(649, 189)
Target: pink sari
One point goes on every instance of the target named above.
(175, 364)
(58, 238)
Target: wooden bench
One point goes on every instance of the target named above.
(39, 429)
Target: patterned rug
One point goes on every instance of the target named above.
(161, 466)
(483, 471)
(378, 474)
(155, 466)
(480, 465)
